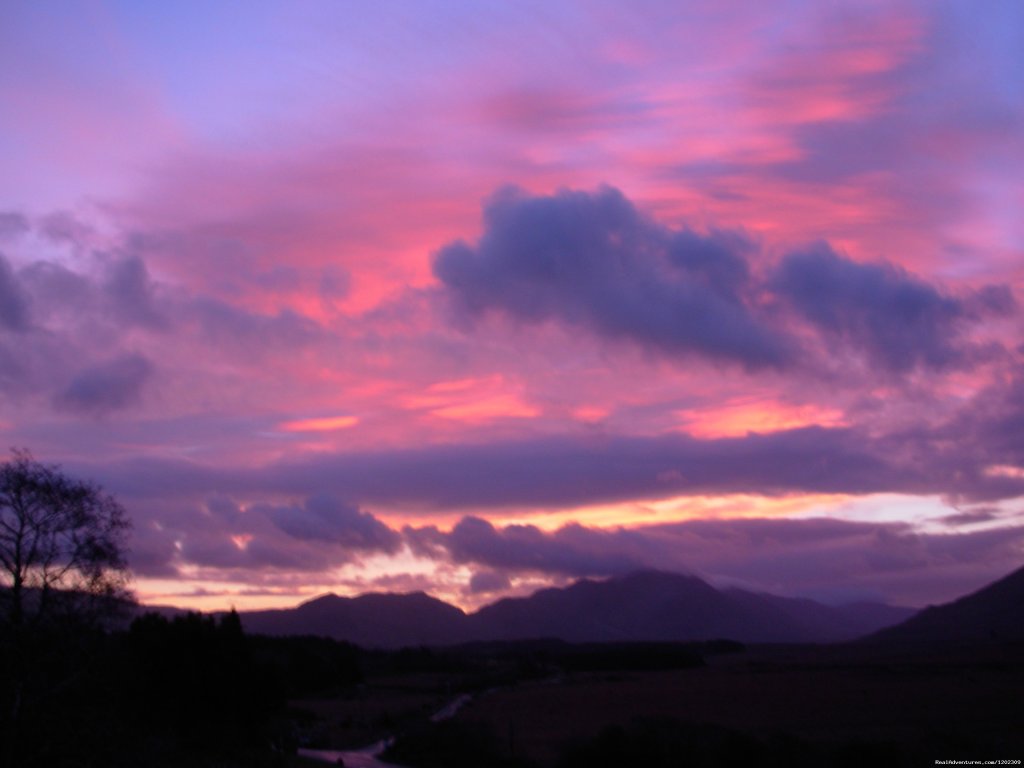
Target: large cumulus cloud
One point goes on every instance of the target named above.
(593, 260)
(573, 550)
(107, 386)
(219, 534)
(14, 313)
(83, 328)
(896, 320)
(327, 519)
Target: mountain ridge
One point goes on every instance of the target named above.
(993, 613)
(639, 606)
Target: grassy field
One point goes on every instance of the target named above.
(372, 711)
(937, 704)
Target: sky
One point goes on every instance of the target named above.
(476, 298)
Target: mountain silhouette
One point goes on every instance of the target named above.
(373, 620)
(995, 612)
(658, 606)
(641, 606)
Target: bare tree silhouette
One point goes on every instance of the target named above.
(62, 543)
(63, 574)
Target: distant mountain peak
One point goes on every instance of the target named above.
(328, 597)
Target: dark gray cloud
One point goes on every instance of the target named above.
(573, 471)
(89, 330)
(972, 516)
(65, 227)
(573, 550)
(12, 370)
(315, 535)
(130, 293)
(12, 224)
(57, 291)
(716, 261)
(225, 509)
(122, 294)
(992, 425)
(14, 306)
(241, 331)
(592, 260)
(244, 556)
(107, 386)
(324, 518)
(488, 582)
(898, 321)
(152, 551)
(565, 471)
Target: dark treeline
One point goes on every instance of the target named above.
(186, 691)
(189, 691)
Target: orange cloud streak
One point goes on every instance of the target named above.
(323, 424)
(739, 417)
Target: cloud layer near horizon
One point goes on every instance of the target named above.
(831, 560)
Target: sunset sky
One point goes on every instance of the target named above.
(480, 297)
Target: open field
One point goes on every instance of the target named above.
(967, 702)
(372, 711)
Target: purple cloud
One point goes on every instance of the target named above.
(249, 333)
(14, 312)
(592, 260)
(57, 291)
(65, 227)
(12, 224)
(898, 321)
(488, 582)
(573, 550)
(129, 293)
(575, 471)
(325, 519)
(308, 537)
(108, 386)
